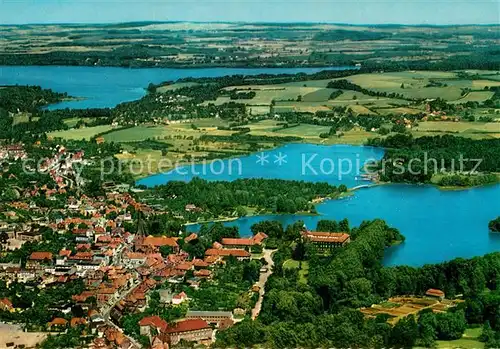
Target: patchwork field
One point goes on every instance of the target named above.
(313, 96)
(400, 307)
(80, 133)
(425, 84)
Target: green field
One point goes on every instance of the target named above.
(418, 84)
(474, 96)
(20, 118)
(303, 271)
(175, 86)
(458, 127)
(313, 96)
(135, 134)
(304, 130)
(468, 341)
(80, 133)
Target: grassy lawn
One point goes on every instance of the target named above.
(20, 118)
(81, 133)
(303, 272)
(468, 341)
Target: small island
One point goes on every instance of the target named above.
(494, 225)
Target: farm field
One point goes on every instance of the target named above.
(80, 133)
(304, 130)
(458, 127)
(313, 96)
(474, 96)
(423, 85)
(175, 86)
(399, 307)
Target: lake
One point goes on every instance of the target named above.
(335, 164)
(103, 87)
(438, 225)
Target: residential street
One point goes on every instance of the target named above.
(262, 281)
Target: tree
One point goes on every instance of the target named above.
(405, 332)
(151, 88)
(241, 211)
(427, 325)
(487, 333)
(344, 225)
(299, 253)
(273, 229)
(451, 325)
(4, 237)
(166, 250)
(494, 225)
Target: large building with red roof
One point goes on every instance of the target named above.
(325, 241)
(237, 253)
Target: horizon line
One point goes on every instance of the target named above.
(150, 22)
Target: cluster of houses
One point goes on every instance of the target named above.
(118, 268)
(12, 152)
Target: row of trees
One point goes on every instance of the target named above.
(223, 198)
(17, 98)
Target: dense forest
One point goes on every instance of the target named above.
(16, 99)
(324, 311)
(19, 102)
(409, 159)
(213, 199)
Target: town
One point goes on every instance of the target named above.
(245, 174)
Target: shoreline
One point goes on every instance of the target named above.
(191, 67)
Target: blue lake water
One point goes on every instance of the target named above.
(438, 225)
(108, 86)
(335, 164)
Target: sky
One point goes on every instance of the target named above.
(439, 12)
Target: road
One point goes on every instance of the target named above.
(262, 281)
(105, 310)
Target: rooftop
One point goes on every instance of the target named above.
(228, 252)
(325, 237)
(188, 325)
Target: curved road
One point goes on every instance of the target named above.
(262, 281)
